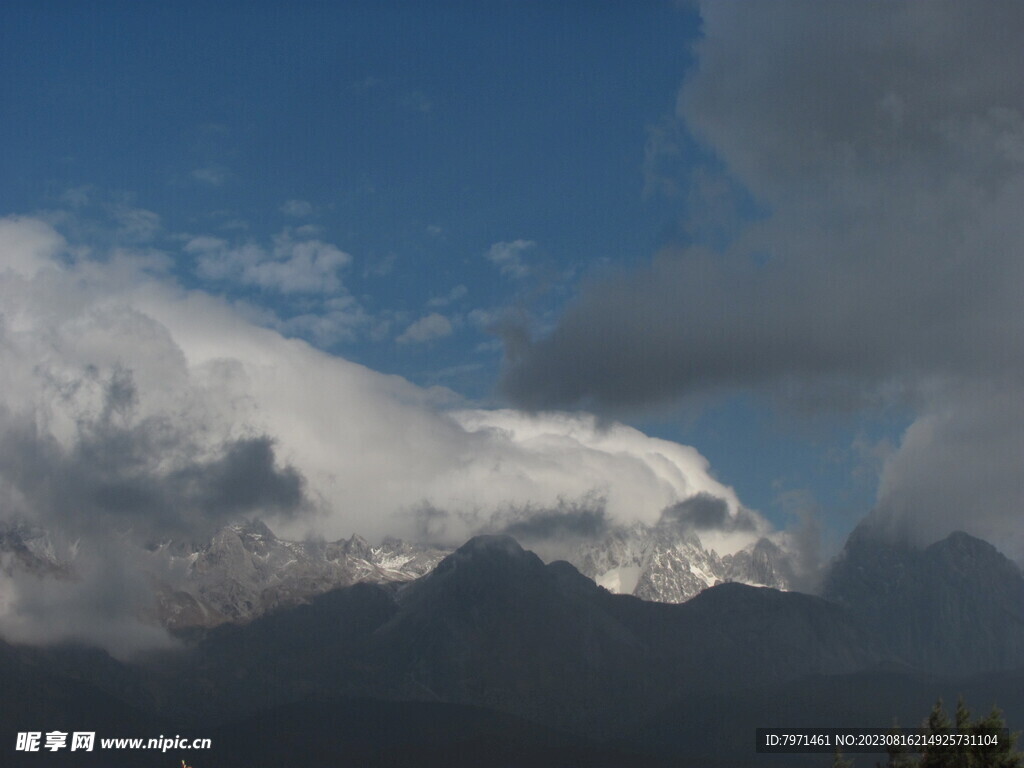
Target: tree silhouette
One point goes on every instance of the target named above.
(838, 761)
(1002, 754)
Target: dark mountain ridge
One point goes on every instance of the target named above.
(956, 606)
(494, 626)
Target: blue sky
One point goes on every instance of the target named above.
(411, 185)
(413, 137)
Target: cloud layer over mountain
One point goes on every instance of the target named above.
(135, 411)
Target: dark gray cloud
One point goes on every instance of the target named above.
(892, 165)
(146, 477)
(705, 512)
(562, 523)
(243, 480)
(118, 483)
(884, 144)
(545, 529)
(849, 331)
(554, 532)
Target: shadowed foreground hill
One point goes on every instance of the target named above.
(360, 733)
(720, 729)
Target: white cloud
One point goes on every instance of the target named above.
(108, 352)
(485, 319)
(300, 209)
(373, 447)
(135, 225)
(508, 256)
(453, 295)
(213, 175)
(663, 160)
(338, 320)
(290, 266)
(537, 459)
(29, 245)
(427, 328)
(78, 197)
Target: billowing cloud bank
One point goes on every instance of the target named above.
(884, 145)
(133, 411)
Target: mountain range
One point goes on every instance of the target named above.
(667, 564)
(245, 570)
(494, 653)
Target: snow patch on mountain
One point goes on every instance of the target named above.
(245, 570)
(668, 565)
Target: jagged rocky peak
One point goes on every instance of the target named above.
(246, 570)
(765, 564)
(227, 553)
(356, 546)
(254, 528)
(669, 564)
(29, 548)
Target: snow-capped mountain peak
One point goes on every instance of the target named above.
(670, 565)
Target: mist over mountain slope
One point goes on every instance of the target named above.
(956, 605)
